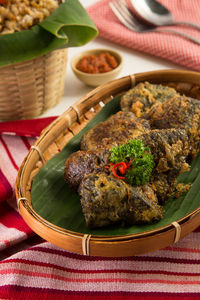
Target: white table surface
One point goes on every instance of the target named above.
(134, 62)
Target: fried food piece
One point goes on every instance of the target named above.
(170, 148)
(169, 125)
(80, 163)
(181, 112)
(165, 108)
(144, 95)
(117, 130)
(163, 185)
(107, 200)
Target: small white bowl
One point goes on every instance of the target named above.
(100, 78)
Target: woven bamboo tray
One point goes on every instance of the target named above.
(56, 136)
(29, 88)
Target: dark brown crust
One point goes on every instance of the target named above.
(145, 95)
(118, 129)
(81, 163)
(180, 112)
(106, 200)
(169, 124)
(165, 108)
(170, 148)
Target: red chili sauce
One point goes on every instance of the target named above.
(100, 63)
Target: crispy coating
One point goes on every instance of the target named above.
(166, 122)
(106, 200)
(170, 148)
(115, 131)
(165, 108)
(181, 112)
(145, 95)
(163, 185)
(81, 163)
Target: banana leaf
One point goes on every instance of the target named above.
(53, 200)
(68, 26)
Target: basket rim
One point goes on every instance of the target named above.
(132, 80)
(31, 60)
(107, 237)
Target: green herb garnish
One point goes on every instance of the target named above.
(140, 161)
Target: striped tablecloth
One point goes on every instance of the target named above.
(31, 268)
(168, 46)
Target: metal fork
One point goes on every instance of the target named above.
(127, 18)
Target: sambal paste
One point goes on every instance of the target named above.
(100, 63)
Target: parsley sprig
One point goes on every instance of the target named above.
(140, 161)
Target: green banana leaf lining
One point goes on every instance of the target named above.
(68, 26)
(53, 200)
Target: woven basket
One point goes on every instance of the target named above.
(29, 88)
(55, 137)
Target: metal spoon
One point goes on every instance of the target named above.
(155, 13)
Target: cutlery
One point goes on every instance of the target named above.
(156, 13)
(128, 19)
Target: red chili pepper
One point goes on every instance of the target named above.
(115, 174)
(121, 166)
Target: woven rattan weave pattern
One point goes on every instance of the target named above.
(29, 88)
(55, 137)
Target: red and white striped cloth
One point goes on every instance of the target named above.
(168, 46)
(31, 268)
